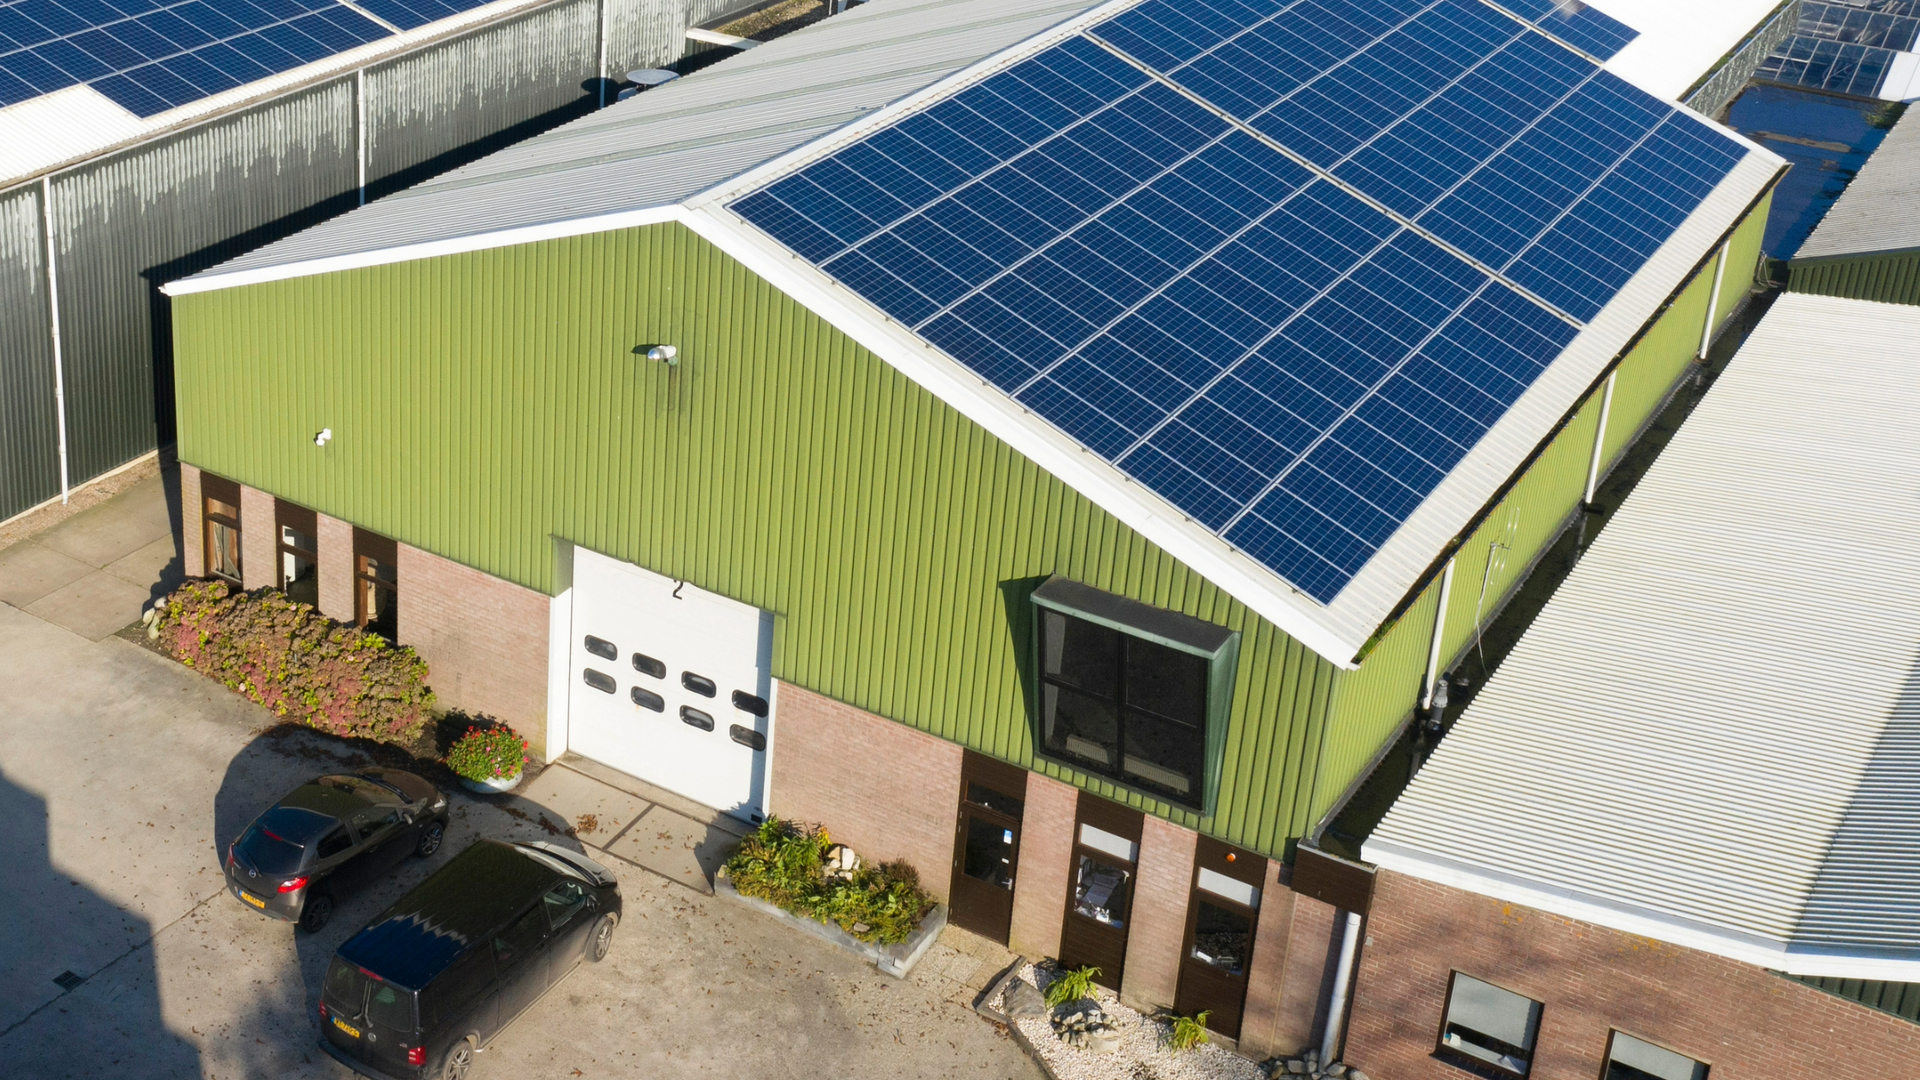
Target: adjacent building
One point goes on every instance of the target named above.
(1677, 835)
(1868, 245)
(1055, 444)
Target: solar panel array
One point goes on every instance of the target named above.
(149, 56)
(1282, 263)
(1593, 32)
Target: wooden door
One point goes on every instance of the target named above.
(1101, 876)
(986, 846)
(1223, 911)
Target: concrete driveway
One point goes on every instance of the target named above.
(121, 776)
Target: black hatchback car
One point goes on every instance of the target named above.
(431, 980)
(331, 835)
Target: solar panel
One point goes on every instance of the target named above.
(148, 57)
(411, 14)
(1284, 264)
(1593, 32)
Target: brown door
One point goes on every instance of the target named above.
(1100, 879)
(986, 846)
(1221, 915)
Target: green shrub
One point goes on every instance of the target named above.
(495, 753)
(784, 864)
(1070, 986)
(1189, 1031)
(296, 662)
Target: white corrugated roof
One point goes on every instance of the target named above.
(74, 124)
(1680, 40)
(1880, 210)
(1711, 735)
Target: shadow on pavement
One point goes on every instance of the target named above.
(70, 951)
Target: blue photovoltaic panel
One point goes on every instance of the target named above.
(410, 14)
(1229, 317)
(1593, 32)
(149, 57)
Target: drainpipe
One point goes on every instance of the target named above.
(1342, 983)
(360, 130)
(1599, 441)
(1439, 627)
(1713, 304)
(53, 321)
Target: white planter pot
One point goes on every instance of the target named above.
(492, 787)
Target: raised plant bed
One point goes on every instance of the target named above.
(895, 960)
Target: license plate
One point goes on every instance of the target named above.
(346, 1027)
(254, 900)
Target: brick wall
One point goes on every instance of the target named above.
(1266, 973)
(257, 530)
(335, 538)
(880, 787)
(484, 639)
(1313, 952)
(193, 532)
(1046, 856)
(1159, 928)
(1745, 1023)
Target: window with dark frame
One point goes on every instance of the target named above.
(376, 584)
(298, 555)
(1488, 1027)
(220, 511)
(1130, 692)
(1629, 1058)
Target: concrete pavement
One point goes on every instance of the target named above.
(121, 776)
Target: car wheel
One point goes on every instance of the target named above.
(315, 915)
(602, 939)
(430, 839)
(459, 1061)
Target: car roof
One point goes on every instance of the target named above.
(296, 824)
(464, 901)
(324, 799)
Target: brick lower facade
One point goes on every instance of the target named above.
(335, 538)
(193, 532)
(1261, 1020)
(484, 639)
(1159, 931)
(258, 530)
(882, 788)
(1744, 1022)
(1045, 866)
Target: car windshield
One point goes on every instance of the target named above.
(274, 844)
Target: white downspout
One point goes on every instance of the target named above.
(1599, 441)
(1713, 304)
(53, 322)
(1342, 984)
(360, 129)
(1439, 629)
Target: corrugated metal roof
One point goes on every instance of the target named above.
(1711, 735)
(666, 145)
(1880, 210)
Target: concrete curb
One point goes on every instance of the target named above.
(895, 960)
(993, 989)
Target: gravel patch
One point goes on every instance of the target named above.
(1143, 1053)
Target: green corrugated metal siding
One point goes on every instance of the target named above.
(484, 401)
(1900, 999)
(1746, 262)
(1373, 700)
(1891, 278)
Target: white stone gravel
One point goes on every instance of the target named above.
(1143, 1052)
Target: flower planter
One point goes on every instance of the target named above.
(895, 960)
(494, 786)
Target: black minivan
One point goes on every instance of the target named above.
(435, 977)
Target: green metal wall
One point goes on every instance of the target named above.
(484, 402)
(1900, 999)
(1891, 278)
(1490, 564)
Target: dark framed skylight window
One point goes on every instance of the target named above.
(1133, 693)
(1488, 1029)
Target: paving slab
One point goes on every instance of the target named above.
(29, 571)
(94, 606)
(156, 564)
(116, 528)
(594, 810)
(676, 847)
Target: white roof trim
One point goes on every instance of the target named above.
(626, 219)
(1569, 904)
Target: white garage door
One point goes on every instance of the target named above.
(671, 684)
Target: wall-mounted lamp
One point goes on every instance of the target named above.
(325, 437)
(665, 354)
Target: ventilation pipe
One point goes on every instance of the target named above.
(1342, 985)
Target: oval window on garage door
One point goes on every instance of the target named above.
(699, 684)
(602, 648)
(598, 680)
